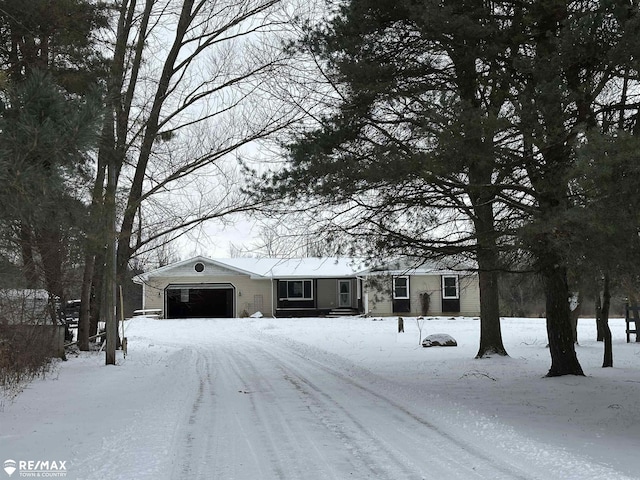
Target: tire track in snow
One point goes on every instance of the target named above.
(264, 410)
(370, 453)
(384, 429)
(241, 424)
(278, 423)
(195, 448)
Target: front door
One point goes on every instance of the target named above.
(344, 291)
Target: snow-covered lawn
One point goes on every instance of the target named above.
(265, 398)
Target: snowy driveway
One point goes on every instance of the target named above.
(264, 411)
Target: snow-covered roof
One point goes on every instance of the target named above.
(329, 267)
(283, 268)
(417, 266)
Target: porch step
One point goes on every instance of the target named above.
(343, 312)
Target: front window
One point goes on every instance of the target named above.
(295, 290)
(450, 287)
(401, 287)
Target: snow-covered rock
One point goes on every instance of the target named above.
(439, 340)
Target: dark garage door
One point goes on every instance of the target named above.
(200, 301)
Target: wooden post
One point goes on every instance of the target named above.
(400, 325)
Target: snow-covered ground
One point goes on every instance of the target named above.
(328, 398)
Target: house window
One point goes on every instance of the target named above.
(450, 287)
(400, 288)
(295, 290)
(199, 267)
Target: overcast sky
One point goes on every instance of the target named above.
(215, 240)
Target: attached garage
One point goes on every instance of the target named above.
(201, 287)
(207, 300)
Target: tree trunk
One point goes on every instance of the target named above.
(111, 152)
(563, 355)
(574, 315)
(95, 306)
(487, 257)
(490, 331)
(85, 303)
(50, 247)
(29, 270)
(606, 302)
(109, 307)
(94, 243)
(599, 326)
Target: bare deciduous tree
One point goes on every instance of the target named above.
(188, 90)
